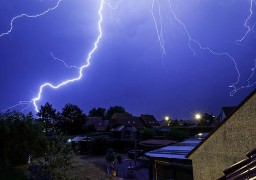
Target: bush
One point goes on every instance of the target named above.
(121, 146)
(20, 136)
(99, 146)
(148, 133)
(110, 157)
(55, 163)
(177, 135)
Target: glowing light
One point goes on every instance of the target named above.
(246, 22)
(198, 116)
(30, 16)
(192, 40)
(158, 23)
(167, 118)
(159, 30)
(39, 95)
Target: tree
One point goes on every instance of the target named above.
(114, 109)
(47, 114)
(56, 161)
(206, 120)
(147, 133)
(72, 119)
(174, 122)
(20, 136)
(99, 112)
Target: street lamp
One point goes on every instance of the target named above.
(198, 116)
(166, 118)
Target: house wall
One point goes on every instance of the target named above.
(227, 145)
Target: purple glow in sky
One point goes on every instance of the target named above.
(159, 57)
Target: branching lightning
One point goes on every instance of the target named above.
(21, 103)
(65, 64)
(81, 68)
(38, 97)
(159, 28)
(29, 16)
(158, 23)
(200, 46)
(246, 25)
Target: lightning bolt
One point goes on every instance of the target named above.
(194, 41)
(246, 22)
(43, 86)
(21, 103)
(68, 81)
(29, 16)
(159, 30)
(67, 66)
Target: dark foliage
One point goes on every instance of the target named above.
(206, 120)
(178, 135)
(114, 109)
(48, 116)
(99, 146)
(20, 136)
(72, 120)
(55, 163)
(110, 156)
(97, 112)
(91, 128)
(148, 133)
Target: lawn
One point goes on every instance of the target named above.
(84, 167)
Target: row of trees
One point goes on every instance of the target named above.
(71, 119)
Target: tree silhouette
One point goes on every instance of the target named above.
(97, 112)
(72, 119)
(114, 109)
(47, 114)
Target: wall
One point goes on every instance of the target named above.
(228, 144)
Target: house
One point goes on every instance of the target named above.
(225, 112)
(149, 121)
(228, 143)
(126, 120)
(96, 122)
(124, 132)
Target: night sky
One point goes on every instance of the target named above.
(129, 67)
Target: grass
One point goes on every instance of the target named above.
(83, 169)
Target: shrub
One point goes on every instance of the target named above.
(99, 146)
(178, 135)
(20, 136)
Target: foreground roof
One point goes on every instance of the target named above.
(177, 151)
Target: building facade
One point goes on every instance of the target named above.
(228, 143)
